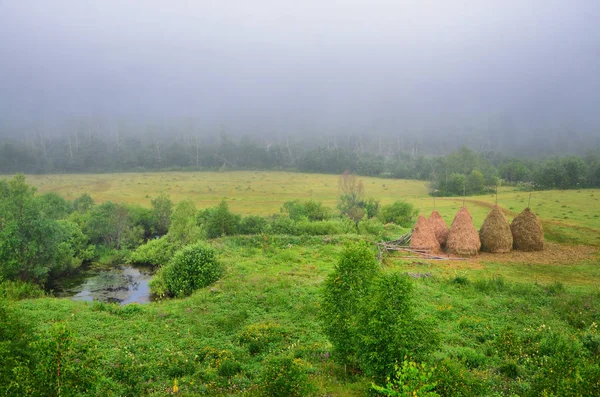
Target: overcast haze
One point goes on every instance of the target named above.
(305, 66)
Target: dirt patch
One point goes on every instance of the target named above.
(553, 254)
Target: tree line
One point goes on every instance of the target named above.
(463, 171)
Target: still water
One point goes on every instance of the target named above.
(122, 284)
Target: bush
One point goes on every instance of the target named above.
(220, 221)
(191, 268)
(400, 212)
(281, 224)
(319, 228)
(412, 379)
(253, 224)
(17, 290)
(371, 226)
(343, 291)
(157, 252)
(311, 210)
(387, 327)
(286, 377)
(15, 336)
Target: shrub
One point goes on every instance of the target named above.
(343, 291)
(387, 327)
(319, 228)
(183, 229)
(220, 221)
(400, 212)
(64, 366)
(191, 268)
(253, 224)
(412, 379)
(454, 379)
(15, 335)
(286, 377)
(371, 226)
(311, 210)
(17, 290)
(157, 252)
(281, 224)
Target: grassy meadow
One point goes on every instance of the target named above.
(263, 193)
(517, 324)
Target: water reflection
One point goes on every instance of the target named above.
(124, 284)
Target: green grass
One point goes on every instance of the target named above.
(276, 281)
(481, 307)
(263, 193)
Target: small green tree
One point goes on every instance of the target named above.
(83, 203)
(387, 328)
(183, 229)
(31, 243)
(457, 183)
(162, 208)
(475, 182)
(221, 222)
(342, 294)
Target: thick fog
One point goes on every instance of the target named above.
(306, 66)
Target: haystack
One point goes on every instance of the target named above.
(463, 238)
(495, 233)
(527, 231)
(437, 223)
(423, 237)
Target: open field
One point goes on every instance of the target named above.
(572, 214)
(522, 323)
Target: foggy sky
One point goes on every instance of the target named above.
(304, 65)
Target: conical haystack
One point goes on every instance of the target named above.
(437, 223)
(463, 238)
(495, 233)
(423, 237)
(527, 231)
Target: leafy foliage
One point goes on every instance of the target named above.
(343, 292)
(191, 268)
(162, 208)
(387, 327)
(220, 221)
(286, 377)
(157, 252)
(400, 212)
(32, 245)
(410, 379)
(310, 210)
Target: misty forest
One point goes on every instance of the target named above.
(302, 198)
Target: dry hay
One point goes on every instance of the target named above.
(495, 233)
(527, 231)
(463, 238)
(423, 237)
(437, 223)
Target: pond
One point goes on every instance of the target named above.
(122, 284)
